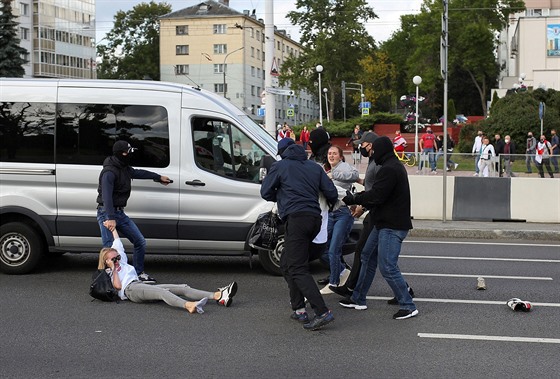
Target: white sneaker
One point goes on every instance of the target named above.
(326, 290)
(344, 276)
(475, 174)
(456, 165)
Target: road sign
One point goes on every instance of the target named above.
(365, 111)
(274, 69)
(261, 112)
(290, 112)
(541, 110)
(278, 91)
(365, 104)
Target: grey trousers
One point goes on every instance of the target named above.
(139, 292)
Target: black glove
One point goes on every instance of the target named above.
(349, 198)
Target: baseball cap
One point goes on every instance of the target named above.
(368, 137)
(122, 147)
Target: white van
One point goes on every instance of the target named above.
(55, 134)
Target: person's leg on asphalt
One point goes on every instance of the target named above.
(300, 229)
(389, 246)
(341, 219)
(127, 228)
(367, 271)
(357, 264)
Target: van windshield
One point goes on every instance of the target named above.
(259, 133)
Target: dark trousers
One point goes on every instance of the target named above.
(355, 272)
(299, 231)
(545, 162)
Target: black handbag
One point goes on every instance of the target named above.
(264, 233)
(101, 287)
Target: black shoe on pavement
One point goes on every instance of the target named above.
(300, 317)
(324, 281)
(341, 290)
(394, 300)
(349, 303)
(404, 314)
(145, 278)
(319, 321)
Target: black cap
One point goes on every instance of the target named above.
(122, 147)
(368, 137)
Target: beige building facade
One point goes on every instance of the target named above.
(529, 51)
(222, 50)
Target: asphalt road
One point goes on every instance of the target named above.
(51, 328)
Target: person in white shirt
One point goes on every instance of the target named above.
(476, 151)
(113, 260)
(486, 153)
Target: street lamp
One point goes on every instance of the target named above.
(417, 80)
(224, 68)
(319, 69)
(327, 103)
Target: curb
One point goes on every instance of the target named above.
(538, 235)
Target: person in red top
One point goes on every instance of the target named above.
(304, 137)
(399, 143)
(428, 147)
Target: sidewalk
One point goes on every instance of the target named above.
(485, 230)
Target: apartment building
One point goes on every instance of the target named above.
(529, 51)
(223, 50)
(59, 36)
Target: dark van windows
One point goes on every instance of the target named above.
(27, 132)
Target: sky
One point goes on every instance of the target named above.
(389, 12)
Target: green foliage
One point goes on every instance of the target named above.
(518, 113)
(132, 49)
(11, 62)
(333, 35)
(344, 129)
(451, 111)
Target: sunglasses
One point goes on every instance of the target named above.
(115, 259)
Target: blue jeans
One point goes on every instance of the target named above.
(126, 228)
(431, 157)
(528, 159)
(382, 248)
(339, 227)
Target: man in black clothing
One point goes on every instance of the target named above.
(499, 149)
(115, 184)
(294, 184)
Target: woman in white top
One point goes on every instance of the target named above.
(113, 259)
(486, 154)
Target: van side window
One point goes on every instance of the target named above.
(221, 148)
(87, 132)
(27, 132)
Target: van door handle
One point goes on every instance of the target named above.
(195, 182)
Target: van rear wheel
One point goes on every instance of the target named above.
(21, 248)
(270, 259)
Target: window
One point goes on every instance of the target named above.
(86, 132)
(252, 90)
(182, 50)
(182, 69)
(220, 68)
(27, 131)
(252, 71)
(24, 9)
(221, 148)
(220, 48)
(253, 52)
(181, 30)
(219, 87)
(258, 35)
(24, 34)
(219, 28)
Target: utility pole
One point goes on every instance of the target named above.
(270, 99)
(443, 58)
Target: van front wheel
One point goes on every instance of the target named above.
(270, 259)
(21, 248)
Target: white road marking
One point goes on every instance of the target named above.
(489, 338)
(464, 301)
(484, 243)
(481, 258)
(476, 276)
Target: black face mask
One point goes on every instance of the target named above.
(124, 159)
(364, 152)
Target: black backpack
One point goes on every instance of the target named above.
(101, 287)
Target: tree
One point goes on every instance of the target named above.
(11, 61)
(376, 69)
(451, 111)
(333, 35)
(132, 49)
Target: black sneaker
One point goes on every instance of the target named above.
(145, 278)
(227, 294)
(319, 321)
(341, 290)
(324, 281)
(404, 314)
(394, 300)
(300, 317)
(349, 303)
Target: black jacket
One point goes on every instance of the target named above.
(389, 198)
(295, 182)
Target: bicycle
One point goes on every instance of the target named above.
(408, 159)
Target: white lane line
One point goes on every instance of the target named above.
(455, 242)
(489, 338)
(476, 276)
(480, 258)
(464, 301)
